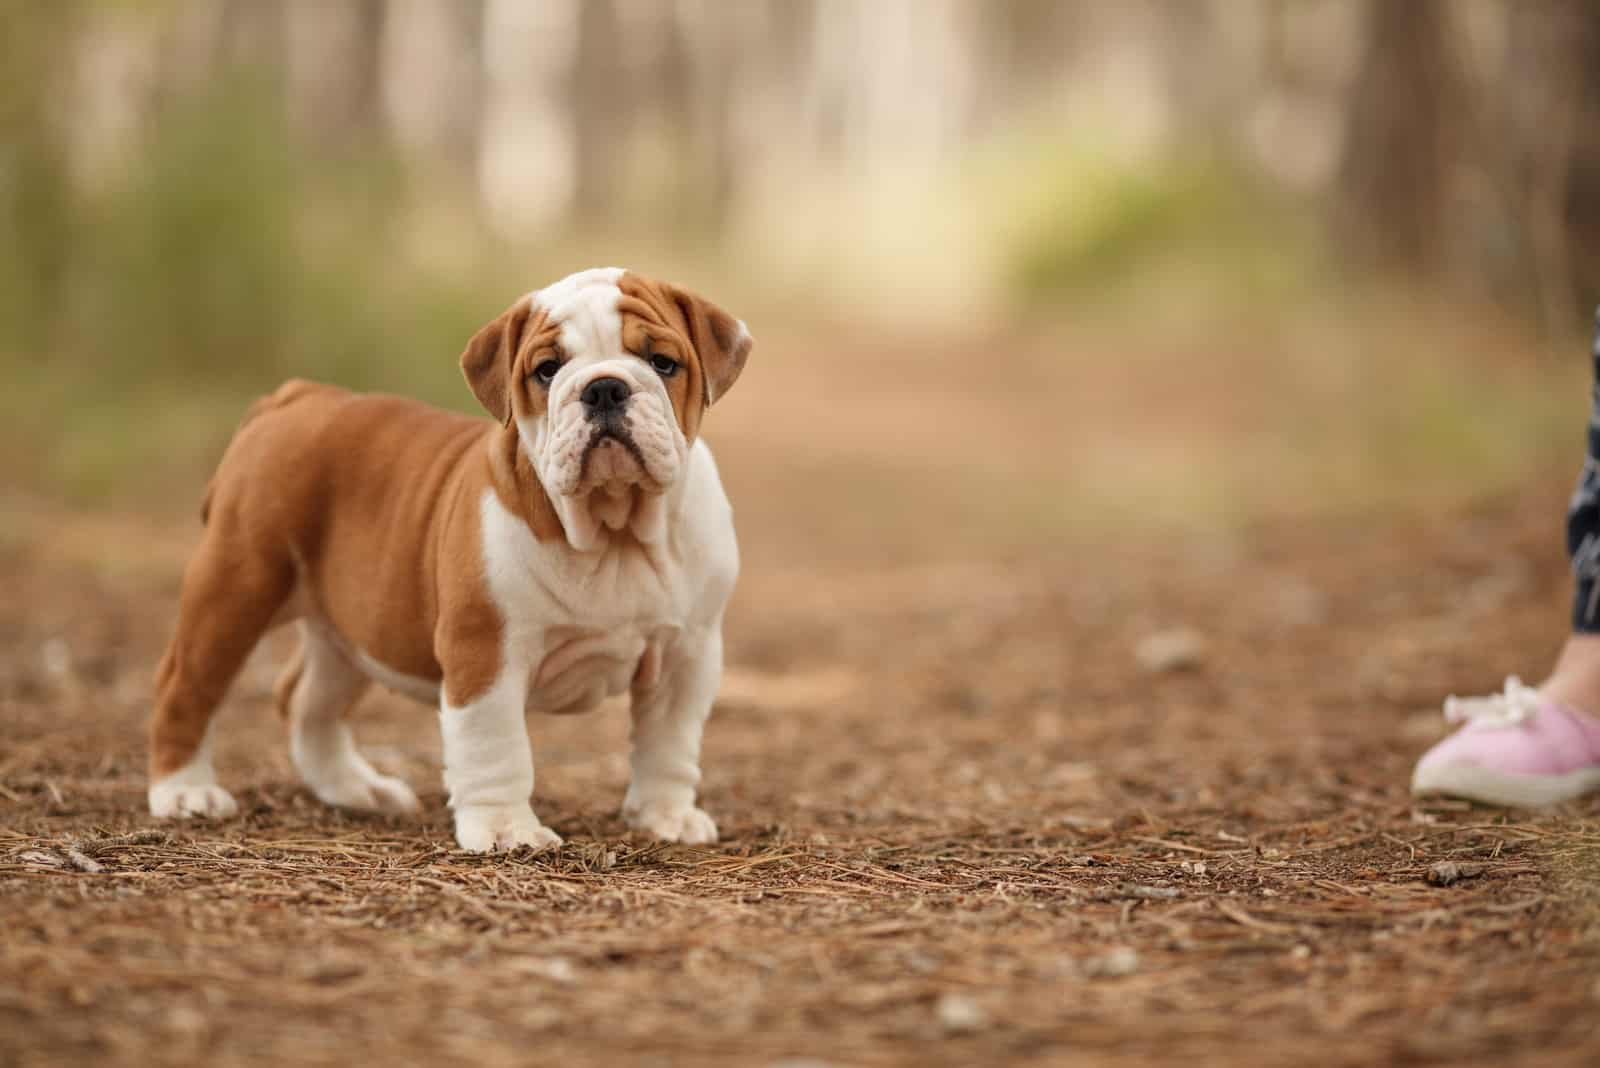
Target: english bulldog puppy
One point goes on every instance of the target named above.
(576, 545)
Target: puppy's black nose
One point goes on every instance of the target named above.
(604, 395)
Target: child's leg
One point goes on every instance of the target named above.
(1583, 519)
(1576, 679)
(1534, 747)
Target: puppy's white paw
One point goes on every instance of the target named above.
(668, 822)
(485, 828)
(369, 792)
(189, 800)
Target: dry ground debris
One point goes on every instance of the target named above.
(961, 826)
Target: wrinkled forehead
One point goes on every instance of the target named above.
(583, 308)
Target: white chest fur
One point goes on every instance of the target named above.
(582, 626)
(578, 625)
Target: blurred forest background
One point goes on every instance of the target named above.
(1206, 258)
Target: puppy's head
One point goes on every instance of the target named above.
(606, 375)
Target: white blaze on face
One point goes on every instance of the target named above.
(562, 443)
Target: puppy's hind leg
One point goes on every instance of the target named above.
(228, 602)
(317, 687)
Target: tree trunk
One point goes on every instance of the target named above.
(1402, 140)
(335, 67)
(463, 121)
(596, 86)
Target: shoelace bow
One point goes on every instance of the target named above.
(1507, 709)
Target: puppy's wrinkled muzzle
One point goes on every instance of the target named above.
(609, 434)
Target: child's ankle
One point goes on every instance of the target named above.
(1575, 682)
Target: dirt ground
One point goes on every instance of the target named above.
(964, 821)
(962, 825)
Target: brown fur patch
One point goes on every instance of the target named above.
(539, 342)
(288, 680)
(488, 358)
(708, 342)
(365, 508)
(466, 638)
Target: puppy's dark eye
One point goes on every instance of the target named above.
(665, 366)
(545, 373)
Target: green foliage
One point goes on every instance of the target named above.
(221, 262)
(1078, 222)
(190, 270)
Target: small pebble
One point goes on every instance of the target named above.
(1446, 872)
(187, 1022)
(1180, 649)
(57, 658)
(959, 1014)
(1123, 960)
(555, 969)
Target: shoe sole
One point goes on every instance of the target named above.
(1504, 787)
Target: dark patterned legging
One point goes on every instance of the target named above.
(1583, 518)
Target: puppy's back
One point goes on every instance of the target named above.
(307, 447)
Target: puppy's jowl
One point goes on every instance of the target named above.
(577, 546)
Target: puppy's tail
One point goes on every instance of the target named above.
(284, 395)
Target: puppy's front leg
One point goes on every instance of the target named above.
(488, 769)
(668, 718)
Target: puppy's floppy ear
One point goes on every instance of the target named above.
(720, 340)
(490, 353)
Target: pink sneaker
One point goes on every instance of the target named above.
(1516, 749)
